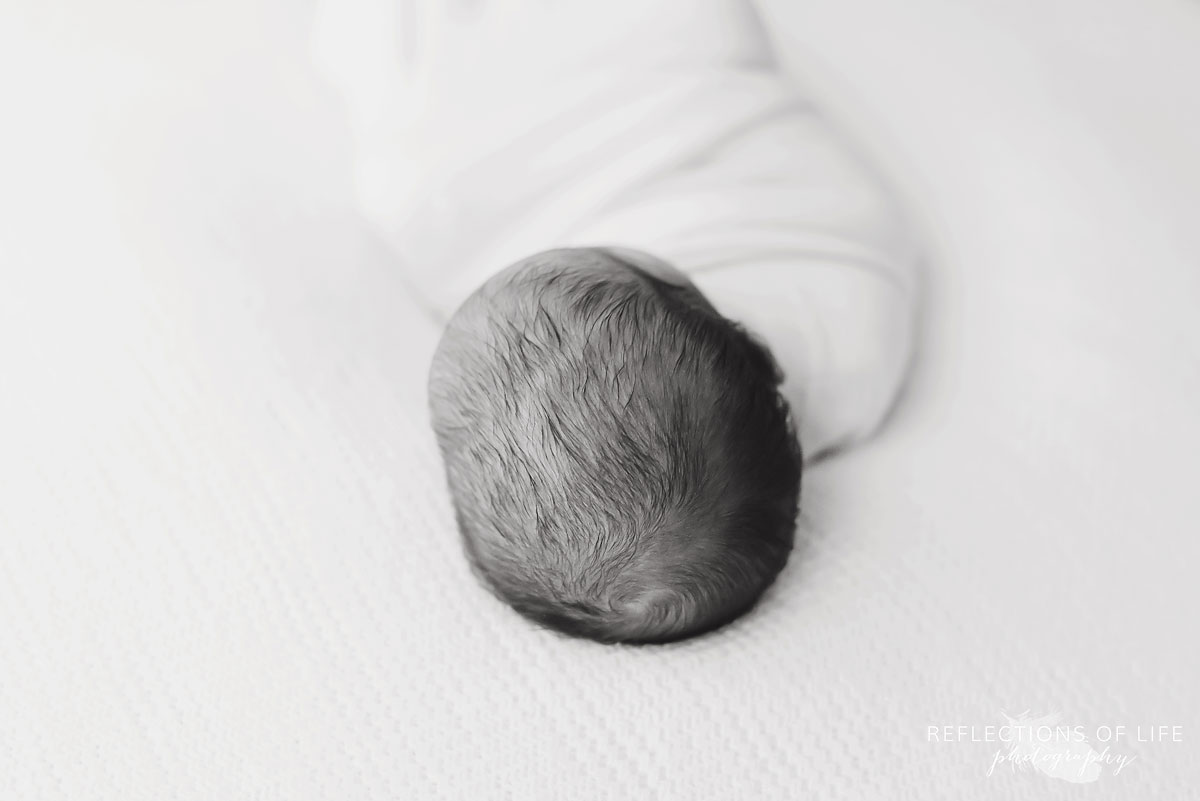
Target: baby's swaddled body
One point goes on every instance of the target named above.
(618, 450)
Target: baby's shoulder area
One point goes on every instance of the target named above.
(543, 171)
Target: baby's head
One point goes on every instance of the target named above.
(621, 462)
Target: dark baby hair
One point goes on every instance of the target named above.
(621, 462)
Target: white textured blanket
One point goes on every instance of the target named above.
(227, 565)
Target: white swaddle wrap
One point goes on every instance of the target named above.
(486, 132)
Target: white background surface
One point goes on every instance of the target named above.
(227, 565)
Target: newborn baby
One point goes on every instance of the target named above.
(621, 461)
(619, 450)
